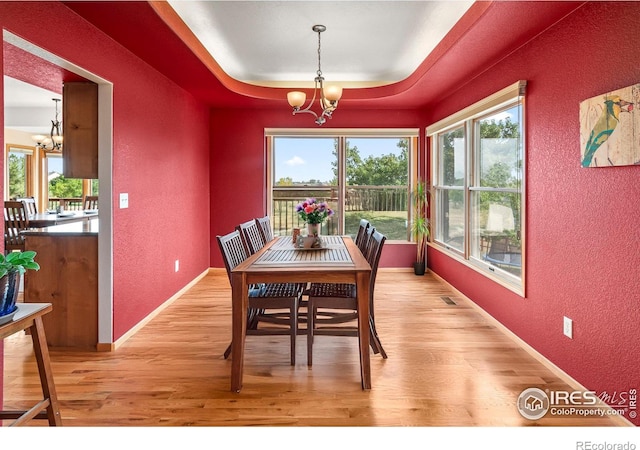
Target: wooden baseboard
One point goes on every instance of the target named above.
(395, 269)
(105, 347)
(109, 347)
(532, 351)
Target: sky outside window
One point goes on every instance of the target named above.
(304, 159)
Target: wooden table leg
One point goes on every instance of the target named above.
(239, 304)
(44, 368)
(362, 288)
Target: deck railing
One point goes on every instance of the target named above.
(68, 203)
(359, 199)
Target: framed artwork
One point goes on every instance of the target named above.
(610, 129)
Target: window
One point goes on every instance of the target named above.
(19, 166)
(37, 173)
(478, 183)
(62, 191)
(361, 174)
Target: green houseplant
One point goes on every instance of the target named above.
(420, 225)
(12, 266)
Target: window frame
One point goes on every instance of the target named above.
(342, 135)
(468, 118)
(30, 167)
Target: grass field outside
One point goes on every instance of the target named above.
(393, 224)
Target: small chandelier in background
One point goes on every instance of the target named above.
(53, 142)
(328, 96)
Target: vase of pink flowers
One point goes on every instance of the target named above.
(313, 213)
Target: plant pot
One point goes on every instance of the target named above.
(9, 286)
(419, 268)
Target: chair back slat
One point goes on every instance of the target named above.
(264, 225)
(365, 247)
(90, 202)
(232, 249)
(251, 236)
(29, 204)
(16, 220)
(362, 230)
(373, 257)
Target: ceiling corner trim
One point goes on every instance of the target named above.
(171, 18)
(168, 15)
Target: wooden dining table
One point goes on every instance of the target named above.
(340, 261)
(46, 219)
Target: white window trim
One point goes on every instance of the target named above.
(474, 111)
(479, 108)
(341, 134)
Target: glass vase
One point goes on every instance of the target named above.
(313, 229)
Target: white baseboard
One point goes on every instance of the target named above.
(532, 351)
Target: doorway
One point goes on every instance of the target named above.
(105, 152)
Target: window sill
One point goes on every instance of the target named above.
(483, 269)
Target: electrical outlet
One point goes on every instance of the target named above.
(568, 327)
(124, 200)
(177, 266)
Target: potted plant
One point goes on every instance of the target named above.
(420, 225)
(12, 267)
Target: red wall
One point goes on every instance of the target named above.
(160, 158)
(582, 239)
(582, 243)
(238, 164)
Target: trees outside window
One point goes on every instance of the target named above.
(37, 173)
(478, 184)
(360, 176)
(62, 190)
(19, 171)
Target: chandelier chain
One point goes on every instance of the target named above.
(53, 142)
(319, 53)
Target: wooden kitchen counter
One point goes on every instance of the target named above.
(68, 279)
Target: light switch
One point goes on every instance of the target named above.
(124, 200)
(568, 327)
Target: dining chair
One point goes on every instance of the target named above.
(30, 205)
(16, 220)
(362, 230)
(90, 202)
(333, 307)
(251, 236)
(271, 303)
(365, 243)
(264, 224)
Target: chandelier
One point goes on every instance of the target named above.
(53, 142)
(328, 97)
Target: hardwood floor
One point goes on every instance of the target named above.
(447, 366)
